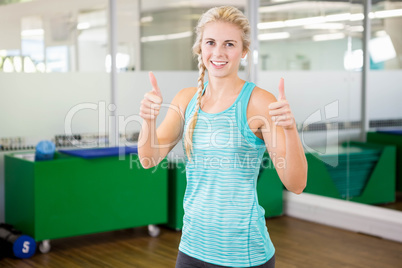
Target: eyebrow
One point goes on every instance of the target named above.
(226, 41)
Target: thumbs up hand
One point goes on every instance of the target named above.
(280, 110)
(152, 101)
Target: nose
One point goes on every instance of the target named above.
(218, 51)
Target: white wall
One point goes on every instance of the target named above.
(36, 104)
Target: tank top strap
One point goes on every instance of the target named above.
(241, 116)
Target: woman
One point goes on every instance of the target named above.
(227, 123)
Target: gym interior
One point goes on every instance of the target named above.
(73, 73)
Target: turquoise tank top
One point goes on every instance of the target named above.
(223, 223)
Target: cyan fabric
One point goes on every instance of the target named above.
(223, 223)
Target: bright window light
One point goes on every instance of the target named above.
(32, 32)
(29, 66)
(17, 60)
(381, 49)
(57, 59)
(353, 60)
(41, 67)
(8, 66)
(122, 61)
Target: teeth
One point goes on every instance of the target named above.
(219, 63)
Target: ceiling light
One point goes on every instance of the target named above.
(337, 17)
(163, 37)
(305, 21)
(273, 36)
(325, 26)
(270, 25)
(356, 17)
(388, 13)
(380, 33)
(329, 18)
(326, 37)
(83, 26)
(179, 35)
(358, 28)
(147, 19)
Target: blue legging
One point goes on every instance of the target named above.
(185, 261)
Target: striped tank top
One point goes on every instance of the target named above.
(223, 223)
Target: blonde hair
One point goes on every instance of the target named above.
(217, 14)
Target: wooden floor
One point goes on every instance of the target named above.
(298, 244)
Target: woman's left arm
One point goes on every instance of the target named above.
(282, 141)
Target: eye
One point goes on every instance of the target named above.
(230, 44)
(210, 43)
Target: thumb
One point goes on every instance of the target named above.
(154, 83)
(281, 95)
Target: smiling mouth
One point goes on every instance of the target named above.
(219, 63)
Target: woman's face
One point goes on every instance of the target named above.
(222, 48)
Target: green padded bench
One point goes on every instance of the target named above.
(360, 172)
(390, 137)
(70, 196)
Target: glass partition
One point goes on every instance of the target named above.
(317, 47)
(385, 111)
(53, 74)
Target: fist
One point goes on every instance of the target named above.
(151, 104)
(280, 111)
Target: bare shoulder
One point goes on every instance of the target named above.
(257, 109)
(187, 93)
(260, 99)
(183, 98)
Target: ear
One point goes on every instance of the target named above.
(244, 54)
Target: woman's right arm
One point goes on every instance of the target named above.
(154, 144)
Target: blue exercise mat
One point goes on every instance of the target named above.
(101, 152)
(394, 132)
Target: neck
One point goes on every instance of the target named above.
(220, 88)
